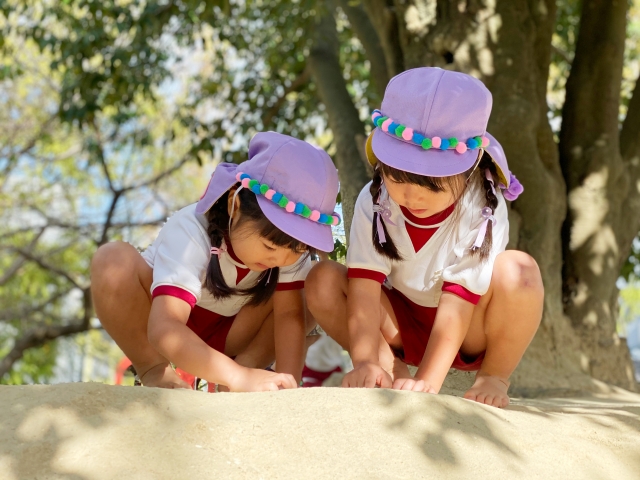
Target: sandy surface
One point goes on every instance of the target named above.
(94, 431)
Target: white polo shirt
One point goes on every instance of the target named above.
(180, 256)
(444, 260)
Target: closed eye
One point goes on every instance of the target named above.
(269, 247)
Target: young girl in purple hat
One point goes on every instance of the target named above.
(428, 281)
(219, 292)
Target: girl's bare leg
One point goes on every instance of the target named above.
(120, 286)
(503, 324)
(326, 294)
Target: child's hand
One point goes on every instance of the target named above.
(367, 375)
(413, 385)
(255, 380)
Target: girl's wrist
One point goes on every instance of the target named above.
(232, 375)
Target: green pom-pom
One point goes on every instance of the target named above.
(263, 188)
(306, 212)
(453, 142)
(399, 130)
(426, 143)
(380, 121)
(478, 140)
(283, 201)
(252, 183)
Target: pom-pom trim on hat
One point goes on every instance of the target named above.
(409, 135)
(282, 201)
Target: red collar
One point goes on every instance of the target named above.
(232, 254)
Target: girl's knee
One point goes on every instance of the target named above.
(323, 283)
(517, 271)
(112, 262)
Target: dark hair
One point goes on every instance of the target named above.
(218, 229)
(457, 184)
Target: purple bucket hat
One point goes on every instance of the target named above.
(296, 185)
(442, 117)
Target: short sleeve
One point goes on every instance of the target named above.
(361, 254)
(180, 258)
(293, 277)
(469, 271)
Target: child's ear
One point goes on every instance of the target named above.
(230, 200)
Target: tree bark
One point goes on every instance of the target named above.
(598, 184)
(361, 24)
(384, 19)
(344, 120)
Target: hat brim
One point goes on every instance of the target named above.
(415, 159)
(316, 235)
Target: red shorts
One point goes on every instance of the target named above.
(415, 323)
(211, 327)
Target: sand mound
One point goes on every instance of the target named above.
(93, 431)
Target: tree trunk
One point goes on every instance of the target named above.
(344, 120)
(598, 185)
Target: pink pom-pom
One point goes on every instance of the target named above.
(485, 142)
(385, 124)
(407, 134)
(436, 142)
(245, 182)
(238, 176)
(335, 221)
(461, 147)
(291, 206)
(270, 193)
(315, 215)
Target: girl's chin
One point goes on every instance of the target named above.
(418, 213)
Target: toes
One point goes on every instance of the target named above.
(470, 395)
(505, 402)
(419, 386)
(488, 400)
(480, 398)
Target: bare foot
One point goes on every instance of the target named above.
(163, 376)
(490, 390)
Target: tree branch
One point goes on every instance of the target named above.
(384, 20)
(158, 177)
(107, 222)
(38, 336)
(368, 36)
(297, 84)
(344, 120)
(7, 315)
(43, 264)
(590, 112)
(12, 270)
(630, 133)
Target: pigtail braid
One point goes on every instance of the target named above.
(485, 167)
(388, 248)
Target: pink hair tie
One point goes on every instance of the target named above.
(487, 214)
(384, 213)
(218, 251)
